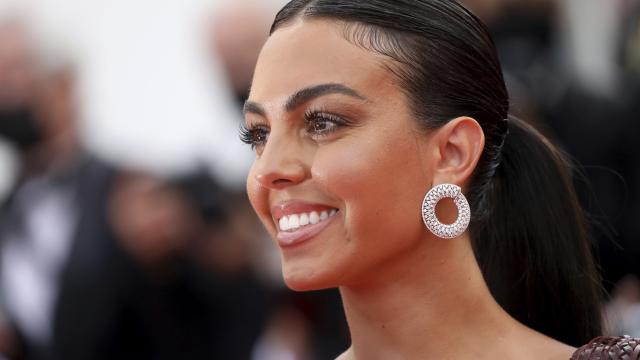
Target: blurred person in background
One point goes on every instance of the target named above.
(16, 124)
(176, 304)
(77, 279)
(164, 296)
(223, 255)
(52, 228)
(237, 47)
(17, 76)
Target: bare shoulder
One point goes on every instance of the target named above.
(345, 355)
(552, 349)
(609, 347)
(560, 351)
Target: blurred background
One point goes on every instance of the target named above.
(125, 232)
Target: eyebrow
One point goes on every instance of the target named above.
(253, 107)
(304, 95)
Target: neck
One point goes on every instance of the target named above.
(432, 304)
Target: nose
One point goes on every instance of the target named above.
(281, 164)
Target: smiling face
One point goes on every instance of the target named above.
(341, 166)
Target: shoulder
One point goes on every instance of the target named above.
(344, 356)
(609, 347)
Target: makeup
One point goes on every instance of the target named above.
(298, 221)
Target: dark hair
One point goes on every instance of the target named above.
(528, 230)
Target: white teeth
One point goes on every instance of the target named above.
(314, 217)
(284, 223)
(295, 221)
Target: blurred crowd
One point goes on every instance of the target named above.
(104, 259)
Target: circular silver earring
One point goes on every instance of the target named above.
(437, 193)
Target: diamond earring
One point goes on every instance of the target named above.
(437, 193)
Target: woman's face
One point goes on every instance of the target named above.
(341, 166)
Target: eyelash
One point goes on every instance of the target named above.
(257, 135)
(254, 135)
(315, 117)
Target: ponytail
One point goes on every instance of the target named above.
(533, 243)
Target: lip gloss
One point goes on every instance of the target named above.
(290, 238)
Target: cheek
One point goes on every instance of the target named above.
(379, 183)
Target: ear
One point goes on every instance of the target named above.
(459, 145)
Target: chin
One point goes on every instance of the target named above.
(306, 279)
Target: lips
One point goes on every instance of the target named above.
(300, 221)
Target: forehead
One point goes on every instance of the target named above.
(311, 52)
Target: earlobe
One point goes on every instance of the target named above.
(460, 143)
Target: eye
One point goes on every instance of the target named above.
(322, 123)
(254, 135)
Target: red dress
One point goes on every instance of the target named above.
(607, 347)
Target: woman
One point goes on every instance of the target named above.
(360, 108)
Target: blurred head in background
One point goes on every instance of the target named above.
(17, 85)
(37, 97)
(238, 46)
(153, 220)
